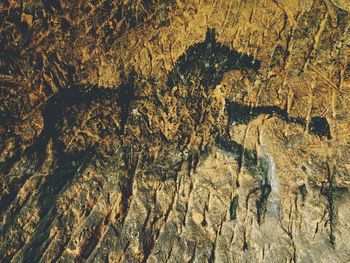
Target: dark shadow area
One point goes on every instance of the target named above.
(233, 208)
(257, 166)
(205, 63)
(61, 113)
(320, 127)
(10, 47)
(261, 203)
(67, 167)
(303, 192)
(126, 94)
(242, 114)
(59, 116)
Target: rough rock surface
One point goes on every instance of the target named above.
(175, 131)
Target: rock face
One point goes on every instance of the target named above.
(156, 131)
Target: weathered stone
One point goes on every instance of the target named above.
(165, 131)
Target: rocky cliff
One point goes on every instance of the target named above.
(174, 131)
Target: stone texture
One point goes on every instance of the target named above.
(128, 169)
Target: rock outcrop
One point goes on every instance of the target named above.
(174, 131)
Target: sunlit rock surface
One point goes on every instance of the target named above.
(173, 131)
